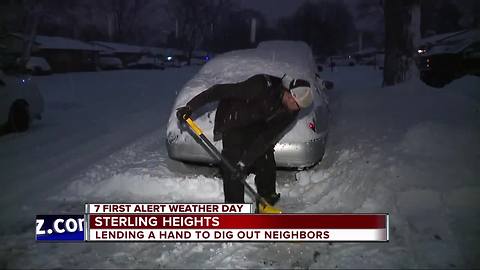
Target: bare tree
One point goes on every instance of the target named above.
(126, 17)
(194, 20)
(370, 23)
(12, 15)
(315, 22)
(33, 11)
(402, 31)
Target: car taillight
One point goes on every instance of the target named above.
(311, 125)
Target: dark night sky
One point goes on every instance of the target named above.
(273, 9)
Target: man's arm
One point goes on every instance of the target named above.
(242, 90)
(275, 128)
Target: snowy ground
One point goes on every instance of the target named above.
(410, 150)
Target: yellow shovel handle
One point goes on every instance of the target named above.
(194, 126)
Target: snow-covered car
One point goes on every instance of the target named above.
(302, 146)
(340, 60)
(38, 66)
(450, 58)
(110, 62)
(20, 101)
(147, 62)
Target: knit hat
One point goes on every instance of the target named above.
(300, 90)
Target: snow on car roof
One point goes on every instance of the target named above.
(273, 57)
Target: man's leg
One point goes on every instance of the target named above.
(232, 188)
(265, 174)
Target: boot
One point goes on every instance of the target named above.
(273, 198)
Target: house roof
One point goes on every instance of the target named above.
(455, 43)
(437, 38)
(113, 47)
(171, 51)
(155, 50)
(48, 42)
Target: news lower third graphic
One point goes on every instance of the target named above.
(60, 227)
(204, 222)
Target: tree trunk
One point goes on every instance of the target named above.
(402, 31)
(29, 36)
(414, 37)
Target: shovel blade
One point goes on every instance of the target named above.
(265, 208)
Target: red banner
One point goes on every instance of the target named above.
(238, 221)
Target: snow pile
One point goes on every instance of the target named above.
(88, 116)
(427, 138)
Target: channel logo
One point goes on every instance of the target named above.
(60, 228)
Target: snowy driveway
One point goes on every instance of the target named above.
(410, 150)
(88, 117)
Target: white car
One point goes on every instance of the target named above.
(38, 66)
(110, 62)
(20, 102)
(302, 146)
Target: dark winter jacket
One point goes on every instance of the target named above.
(254, 106)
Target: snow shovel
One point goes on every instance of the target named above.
(263, 206)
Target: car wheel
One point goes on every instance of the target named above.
(19, 117)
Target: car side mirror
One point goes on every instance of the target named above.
(320, 68)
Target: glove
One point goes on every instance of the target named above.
(286, 80)
(184, 113)
(241, 165)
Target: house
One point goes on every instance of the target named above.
(127, 53)
(62, 54)
(156, 52)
